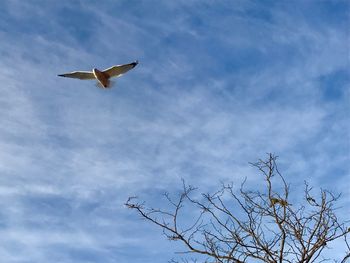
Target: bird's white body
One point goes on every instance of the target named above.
(103, 77)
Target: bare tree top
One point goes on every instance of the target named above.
(252, 225)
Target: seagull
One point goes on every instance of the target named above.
(102, 76)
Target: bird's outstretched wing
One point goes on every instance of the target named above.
(79, 75)
(119, 70)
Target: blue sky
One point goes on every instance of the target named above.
(219, 85)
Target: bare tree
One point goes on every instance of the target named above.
(239, 225)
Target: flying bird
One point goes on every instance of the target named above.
(103, 77)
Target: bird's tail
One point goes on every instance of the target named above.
(111, 83)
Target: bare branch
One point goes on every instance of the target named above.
(254, 225)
